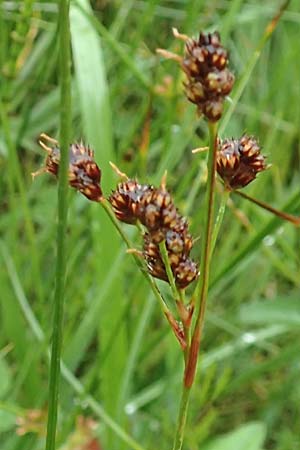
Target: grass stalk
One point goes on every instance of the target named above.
(219, 219)
(283, 215)
(183, 409)
(193, 348)
(205, 258)
(65, 138)
(165, 257)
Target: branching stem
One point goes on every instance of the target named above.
(205, 257)
(191, 354)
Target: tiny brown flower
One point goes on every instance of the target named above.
(84, 174)
(127, 199)
(204, 54)
(208, 78)
(184, 269)
(158, 212)
(239, 161)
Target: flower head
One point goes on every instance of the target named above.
(209, 80)
(155, 209)
(184, 269)
(204, 55)
(84, 174)
(127, 199)
(239, 161)
(158, 213)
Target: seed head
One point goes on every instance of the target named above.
(208, 78)
(84, 174)
(179, 242)
(186, 272)
(239, 161)
(204, 55)
(205, 63)
(178, 246)
(127, 200)
(155, 209)
(158, 212)
(212, 109)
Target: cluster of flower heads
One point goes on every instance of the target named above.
(208, 78)
(154, 208)
(239, 161)
(84, 174)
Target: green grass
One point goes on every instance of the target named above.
(122, 364)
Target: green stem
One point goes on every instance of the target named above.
(165, 257)
(65, 138)
(205, 258)
(191, 353)
(181, 418)
(219, 219)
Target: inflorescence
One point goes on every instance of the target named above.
(209, 80)
(239, 161)
(84, 174)
(133, 203)
(154, 208)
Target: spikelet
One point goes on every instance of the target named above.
(127, 199)
(84, 174)
(239, 161)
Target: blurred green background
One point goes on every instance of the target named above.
(128, 104)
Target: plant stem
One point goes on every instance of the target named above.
(205, 258)
(165, 257)
(181, 418)
(65, 137)
(191, 353)
(283, 215)
(224, 197)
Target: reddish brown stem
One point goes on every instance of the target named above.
(205, 260)
(283, 215)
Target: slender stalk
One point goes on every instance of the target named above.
(184, 402)
(219, 219)
(205, 258)
(283, 215)
(165, 257)
(65, 138)
(191, 353)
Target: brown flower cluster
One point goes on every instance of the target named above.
(239, 161)
(84, 174)
(155, 209)
(208, 78)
